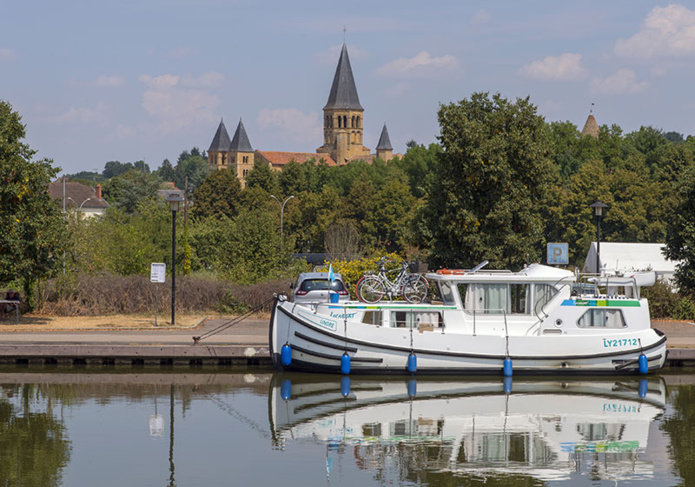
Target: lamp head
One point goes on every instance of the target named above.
(174, 198)
(598, 207)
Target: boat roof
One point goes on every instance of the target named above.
(531, 273)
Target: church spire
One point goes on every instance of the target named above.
(220, 142)
(343, 93)
(240, 141)
(384, 140)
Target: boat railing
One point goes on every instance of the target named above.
(596, 283)
(486, 311)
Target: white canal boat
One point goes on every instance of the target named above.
(545, 429)
(538, 320)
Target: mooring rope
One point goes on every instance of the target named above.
(232, 322)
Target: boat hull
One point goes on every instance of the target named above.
(315, 347)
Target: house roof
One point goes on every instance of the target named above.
(76, 195)
(343, 91)
(384, 140)
(240, 141)
(282, 158)
(220, 142)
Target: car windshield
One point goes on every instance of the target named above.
(321, 285)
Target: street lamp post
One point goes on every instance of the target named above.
(79, 207)
(174, 199)
(598, 207)
(282, 211)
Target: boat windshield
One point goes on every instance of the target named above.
(505, 298)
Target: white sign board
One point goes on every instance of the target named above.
(158, 272)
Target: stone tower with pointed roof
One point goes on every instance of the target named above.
(590, 127)
(236, 153)
(343, 125)
(384, 149)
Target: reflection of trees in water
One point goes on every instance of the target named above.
(33, 445)
(680, 426)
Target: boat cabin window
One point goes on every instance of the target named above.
(602, 318)
(513, 298)
(416, 319)
(372, 318)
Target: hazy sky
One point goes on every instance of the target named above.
(97, 81)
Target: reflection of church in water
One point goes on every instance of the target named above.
(343, 132)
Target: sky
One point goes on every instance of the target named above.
(98, 81)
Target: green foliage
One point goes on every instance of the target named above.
(351, 271)
(685, 310)
(218, 195)
(34, 446)
(680, 237)
(262, 176)
(128, 189)
(484, 203)
(663, 301)
(122, 243)
(31, 225)
(192, 165)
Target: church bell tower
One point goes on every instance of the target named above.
(343, 125)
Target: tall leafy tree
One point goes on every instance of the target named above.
(262, 176)
(127, 190)
(192, 165)
(218, 195)
(680, 236)
(31, 224)
(485, 200)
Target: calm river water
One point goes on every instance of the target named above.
(206, 427)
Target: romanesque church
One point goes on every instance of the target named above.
(343, 130)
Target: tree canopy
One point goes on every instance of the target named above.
(31, 225)
(490, 183)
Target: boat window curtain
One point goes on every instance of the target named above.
(488, 298)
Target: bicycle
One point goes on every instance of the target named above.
(371, 288)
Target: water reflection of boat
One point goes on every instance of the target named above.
(546, 429)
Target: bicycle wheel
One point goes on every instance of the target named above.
(370, 289)
(415, 289)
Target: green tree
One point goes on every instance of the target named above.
(680, 236)
(192, 165)
(262, 176)
(293, 178)
(31, 224)
(127, 190)
(116, 168)
(487, 192)
(166, 172)
(218, 195)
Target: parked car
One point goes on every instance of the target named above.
(314, 287)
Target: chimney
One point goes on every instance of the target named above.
(99, 191)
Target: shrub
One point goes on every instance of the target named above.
(112, 294)
(685, 310)
(663, 301)
(352, 271)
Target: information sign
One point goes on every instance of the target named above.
(158, 272)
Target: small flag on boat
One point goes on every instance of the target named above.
(331, 277)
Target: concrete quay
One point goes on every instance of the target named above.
(244, 344)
